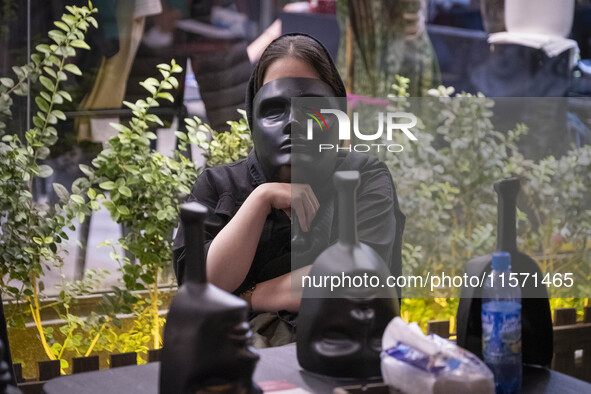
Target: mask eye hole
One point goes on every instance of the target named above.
(272, 109)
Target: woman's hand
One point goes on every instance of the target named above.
(291, 196)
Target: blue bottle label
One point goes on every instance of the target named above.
(501, 332)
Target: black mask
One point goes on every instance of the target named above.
(279, 131)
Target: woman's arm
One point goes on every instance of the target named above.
(281, 293)
(232, 251)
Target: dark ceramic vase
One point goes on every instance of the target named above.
(536, 321)
(207, 336)
(340, 332)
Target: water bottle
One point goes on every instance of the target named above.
(501, 325)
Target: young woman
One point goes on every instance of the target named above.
(251, 202)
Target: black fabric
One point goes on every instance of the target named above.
(222, 75)
(4, 338)
(223, 189)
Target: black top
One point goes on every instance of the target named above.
(223, 189)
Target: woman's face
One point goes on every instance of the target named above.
(278, 129)
(289, 67)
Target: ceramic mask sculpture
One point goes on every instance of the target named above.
(207, 336)
(340, 332)
(278, 132)
(536, 322)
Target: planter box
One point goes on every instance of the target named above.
(25, 345)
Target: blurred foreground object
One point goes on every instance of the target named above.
(419, 364)
(207, 336)
(339, 332)
(536, 321)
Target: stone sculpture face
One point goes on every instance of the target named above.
(279, 131)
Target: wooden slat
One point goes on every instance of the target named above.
(565, 316)
(123, 359)
(440, 328)
(564, 354)
(154, 355)
(85, 364)
(31, 387)
(567, 339)
(572, 337)
(18, 372)
(586, 361)
(586, 365)
(48, 369)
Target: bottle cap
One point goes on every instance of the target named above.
(501, 261)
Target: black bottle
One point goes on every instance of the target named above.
(207, 336)
(340, 332)
(536, 321)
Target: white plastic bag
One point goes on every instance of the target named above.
(416, 364)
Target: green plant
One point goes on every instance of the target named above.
(444, 184)
(224, 147)
(143, 192)
(33, 232)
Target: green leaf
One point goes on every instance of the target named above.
(80, 217)
(165, 96)
(45, 95)
(79, 44)
(47, 83)
(149, 88)
(13, 290)
(57, 36)
(125, 191)
(93, 21)
(78, 199)
(161, 215)
(45, 171)
(73, 69)
(123, 210)
(8, 82)
(50, 71)
(42, 104)
(65, 95)
(61, 191)
(62, 25)
(69, 19)
(109, 185)
(86, 170)
(58, 114)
